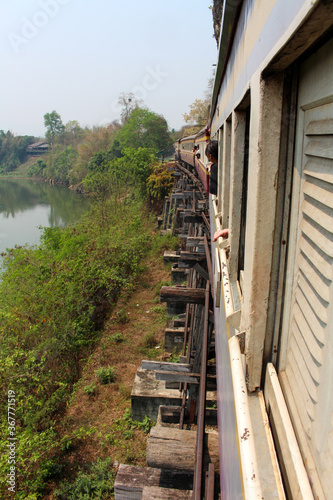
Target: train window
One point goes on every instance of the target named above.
(241, 252)
(220, 168)
(238, 190)
(225, 193)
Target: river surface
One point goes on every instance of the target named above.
(25, 205)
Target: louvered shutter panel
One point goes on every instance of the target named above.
(310, 349)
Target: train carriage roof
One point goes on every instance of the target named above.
(204, 132)
(187, 138)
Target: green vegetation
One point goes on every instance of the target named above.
(96, 480)
(54, 126)
(55, 299)
(93, 483)
(106, 375)
(12, 150)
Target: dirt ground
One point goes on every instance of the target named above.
(95, 424)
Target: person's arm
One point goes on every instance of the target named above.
(224, 233)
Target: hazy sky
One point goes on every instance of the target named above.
(78, 56)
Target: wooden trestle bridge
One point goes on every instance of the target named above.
(182, 451)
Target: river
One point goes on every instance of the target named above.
(25, 205)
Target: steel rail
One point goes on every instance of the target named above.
(196, 181)
(198, 471)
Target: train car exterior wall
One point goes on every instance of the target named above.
(272, 114)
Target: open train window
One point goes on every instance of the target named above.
(224, 173)
(220, 170)
(240, 127)
(241, 250)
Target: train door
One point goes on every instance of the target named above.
(305, 365)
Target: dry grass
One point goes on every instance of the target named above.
(90, 422)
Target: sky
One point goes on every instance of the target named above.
(78, 56)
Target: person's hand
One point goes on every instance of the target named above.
(224, 233)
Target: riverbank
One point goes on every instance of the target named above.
(97, 421)
(54, 302)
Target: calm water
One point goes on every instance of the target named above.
(25, 205)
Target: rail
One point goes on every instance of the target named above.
(198, 472)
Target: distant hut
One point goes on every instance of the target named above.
(38, 148)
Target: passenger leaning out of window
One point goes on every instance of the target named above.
(212, 153)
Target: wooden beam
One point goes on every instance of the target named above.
(131, 480)
(201, 271)
(190, 378)
(206, 221)
(192, 256)
(210, 482)
(194, 242)
(182, 294)
(156, 493)
(165, 366)
(185, 377)
(171, 448)
(192, 219)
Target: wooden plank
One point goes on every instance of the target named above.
(177, 196)
(179, 330)
(196, 256)
(190, 378)
(131, 480)
(174, 449)
(200, 270)
(185, 377)
(192, 219)
(210, 483)
(206, 221)
(182, 294)
(171, 256)
(166, 366)
(179, 323)
(174, 339)
(156, 493)
(194, 242)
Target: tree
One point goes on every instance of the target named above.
(13, 150)
(54, 126)
(200, 108)
(73, 132)
(199, 112)
(134, 167)
(128, 103)
(144, 129)
(160, 182)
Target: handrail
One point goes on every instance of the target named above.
(251, 477)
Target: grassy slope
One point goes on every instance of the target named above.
(93, 417)
(22, 170)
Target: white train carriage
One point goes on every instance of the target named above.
(272, 113)
(186, 145)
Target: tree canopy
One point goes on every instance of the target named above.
(13, 150)
(144, 129)
(198, 112)
(54, 126)
(199, 109)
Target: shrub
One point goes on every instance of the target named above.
(117, 338)
(149, 340)
(95, 483)
(106, 375)
(90, 390)
(122, 316)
